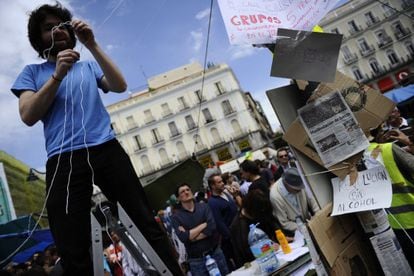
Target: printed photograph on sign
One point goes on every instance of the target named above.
(332, 129)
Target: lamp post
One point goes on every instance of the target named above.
(32, 176)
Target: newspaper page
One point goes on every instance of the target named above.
(390, 254)
(332, 128)
(374, 221)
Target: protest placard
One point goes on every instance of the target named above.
(256, 22)
(372, 190)
(332, 128)
(306, 55)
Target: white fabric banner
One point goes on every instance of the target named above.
(257, 21)
(372, 190)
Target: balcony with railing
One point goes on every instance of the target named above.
(367, 51)
(149, 119)
(166, 113)
(218, 141)
(147, 169)
(372, 21)
(209, 120)
(158, 140)
(229, 111)
(390, 13)
(349, 59)
(140, 148)
(183, 106)
(402, 34)
(384, 42)
(175, 134)
(191, 127)
(355, 30)
(132, 126)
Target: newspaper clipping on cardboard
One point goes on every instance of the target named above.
(332, 128)
(390, 255)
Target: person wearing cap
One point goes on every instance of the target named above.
(289, 200)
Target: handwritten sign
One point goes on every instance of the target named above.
(306, 55)
(372, 190)
(257, 21)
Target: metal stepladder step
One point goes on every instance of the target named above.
(133, 240)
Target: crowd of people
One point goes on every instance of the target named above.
(217, 223)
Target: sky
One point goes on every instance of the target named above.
(144, 38)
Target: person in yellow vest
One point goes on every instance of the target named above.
(400, 166)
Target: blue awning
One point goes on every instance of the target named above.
(400, 94)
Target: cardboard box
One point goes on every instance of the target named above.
(369, 106)
(355, 260)
(340, 241)
(332, 234)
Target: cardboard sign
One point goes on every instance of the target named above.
(369, 107)
(257, 21)
(306, 55)
(372, 190)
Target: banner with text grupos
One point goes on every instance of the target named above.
(257, 21)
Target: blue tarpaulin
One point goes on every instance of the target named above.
(401, 94)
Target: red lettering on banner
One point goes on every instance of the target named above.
(234, 20)
(253, 19)
(244, 19)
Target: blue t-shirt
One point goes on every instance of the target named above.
(77, 116)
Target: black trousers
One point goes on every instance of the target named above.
(115, 175)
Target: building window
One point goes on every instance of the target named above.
(156, 136)
(357, 73)
(182, 152)
(392, 56)
(146, 165)
(227, 108)
(138, 142)
(371, 19)
(190, 122)
(373, 63)
(335, 31)
(219, 87)
(235, 125)
(410, 47)
(182, 103)
(115, 128)
(383, 38)
(346, 52)
(165, 160)
(148, 116)
(399, 30)
(131, 122)
(216, 136)
(199, 95)
(166, 111)
(207, 115)
(199, 145)
(353, 27)
(363, 44)
(173, 129)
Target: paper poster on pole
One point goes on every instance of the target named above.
(372, 190)
(332, 128)
(256, 22)
(298, 51)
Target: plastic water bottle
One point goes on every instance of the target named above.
(262, 249)
(212, 267)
